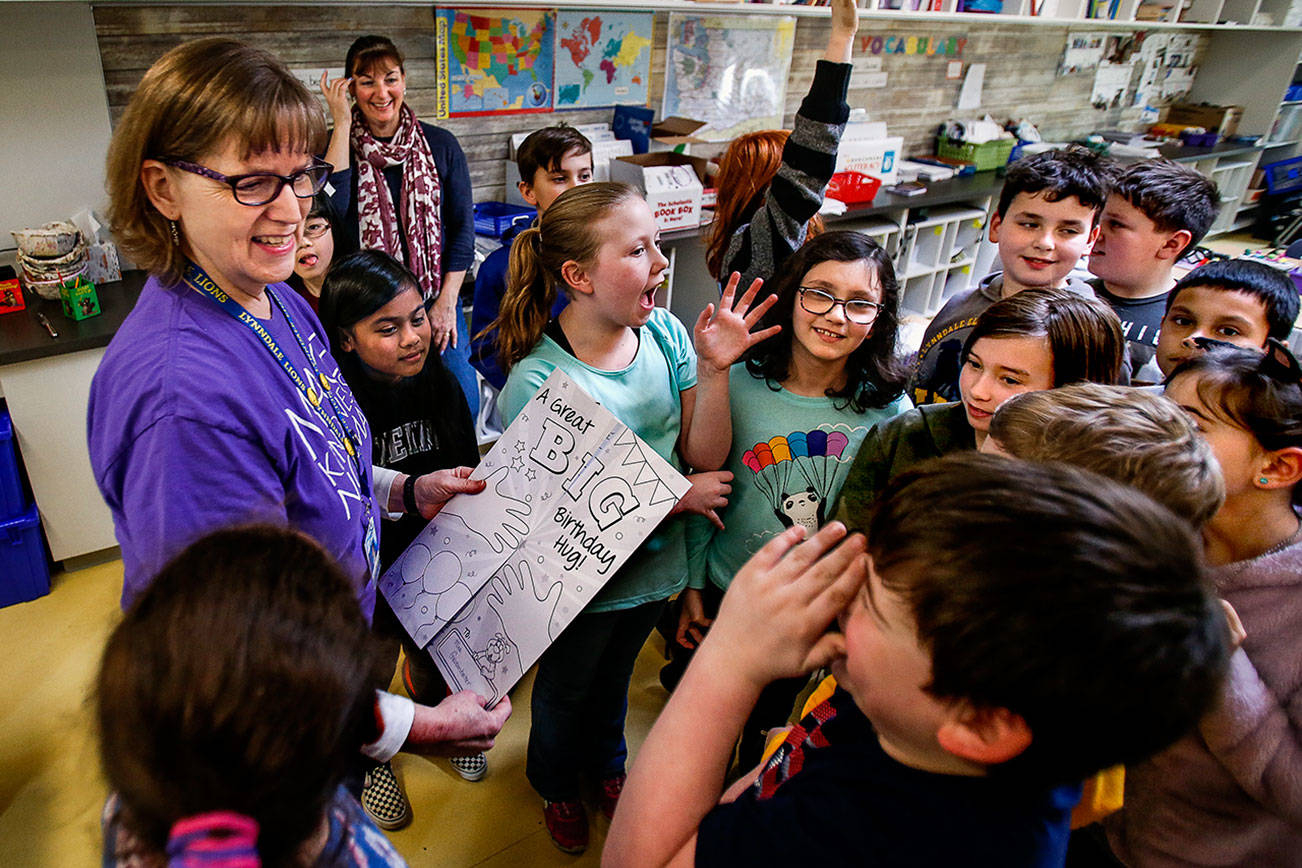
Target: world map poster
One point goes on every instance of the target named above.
(494, 61)
(729, 71)
(603, 58)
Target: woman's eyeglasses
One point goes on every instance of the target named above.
(259, 188)
(857, 310)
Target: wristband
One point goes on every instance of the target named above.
(409, 495)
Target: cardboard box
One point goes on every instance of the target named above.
(672, 184)
(863, 149)
(1223, 119)
(675, 134)
(80, 301)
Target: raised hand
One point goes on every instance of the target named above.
(845, 23)
(336, 97)
(723, 335)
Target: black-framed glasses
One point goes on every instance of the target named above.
(259, 188)
(857, 310)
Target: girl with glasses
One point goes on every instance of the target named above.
(316, 251)
(800, 406)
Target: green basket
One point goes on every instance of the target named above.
(986, 156)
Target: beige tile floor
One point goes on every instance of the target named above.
(51, 789)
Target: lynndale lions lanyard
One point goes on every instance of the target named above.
(335, 419)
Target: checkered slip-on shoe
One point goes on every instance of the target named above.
(472, 768)
(383, 798)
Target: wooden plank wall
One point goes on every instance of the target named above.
(1021, 78)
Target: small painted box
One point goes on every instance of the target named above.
(11, 296)
(80, 300)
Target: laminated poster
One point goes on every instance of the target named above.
(496, 576)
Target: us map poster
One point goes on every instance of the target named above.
(492, 61)
(496, 576)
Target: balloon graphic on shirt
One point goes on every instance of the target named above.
(796, 473)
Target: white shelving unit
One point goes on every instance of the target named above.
(886, 231)
(1231, 176)
(938, 256)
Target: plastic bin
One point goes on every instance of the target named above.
(985, 156)
(11, 484)
(1283, 176)
(853, 188)
(495, 218)
(24, 573)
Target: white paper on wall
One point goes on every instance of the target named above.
(496, 576)
(1111, 80)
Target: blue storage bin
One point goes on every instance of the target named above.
(495, 218)
(24, 573)
(11, 484)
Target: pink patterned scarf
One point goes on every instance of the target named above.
(421, 198)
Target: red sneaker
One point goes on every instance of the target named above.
(567, 823)
(611, 788)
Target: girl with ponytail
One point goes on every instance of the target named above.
(599, 245)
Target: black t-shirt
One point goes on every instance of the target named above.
(1141, 319)
(419, 424)
(844, 801)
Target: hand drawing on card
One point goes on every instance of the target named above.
(547, 592)
(495, 514)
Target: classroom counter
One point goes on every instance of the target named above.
(23, 339)
(1187, 154)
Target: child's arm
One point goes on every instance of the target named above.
(772, 624)
(721, 338)
(808, 160)
(1254, 734)
(845, 23)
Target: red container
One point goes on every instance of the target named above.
(11, 296)
(853, 188)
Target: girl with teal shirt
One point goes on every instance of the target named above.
(800, 405)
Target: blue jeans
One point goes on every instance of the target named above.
(457, 361)
(580, 700)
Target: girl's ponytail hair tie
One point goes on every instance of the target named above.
(220, 839)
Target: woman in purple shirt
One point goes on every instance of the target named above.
(217, 403)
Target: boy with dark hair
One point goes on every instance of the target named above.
(1157, 211)
(978, 683)
(1236, 301)
(551, 160)
(1046, 219)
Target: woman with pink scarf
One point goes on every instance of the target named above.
(404, 188)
